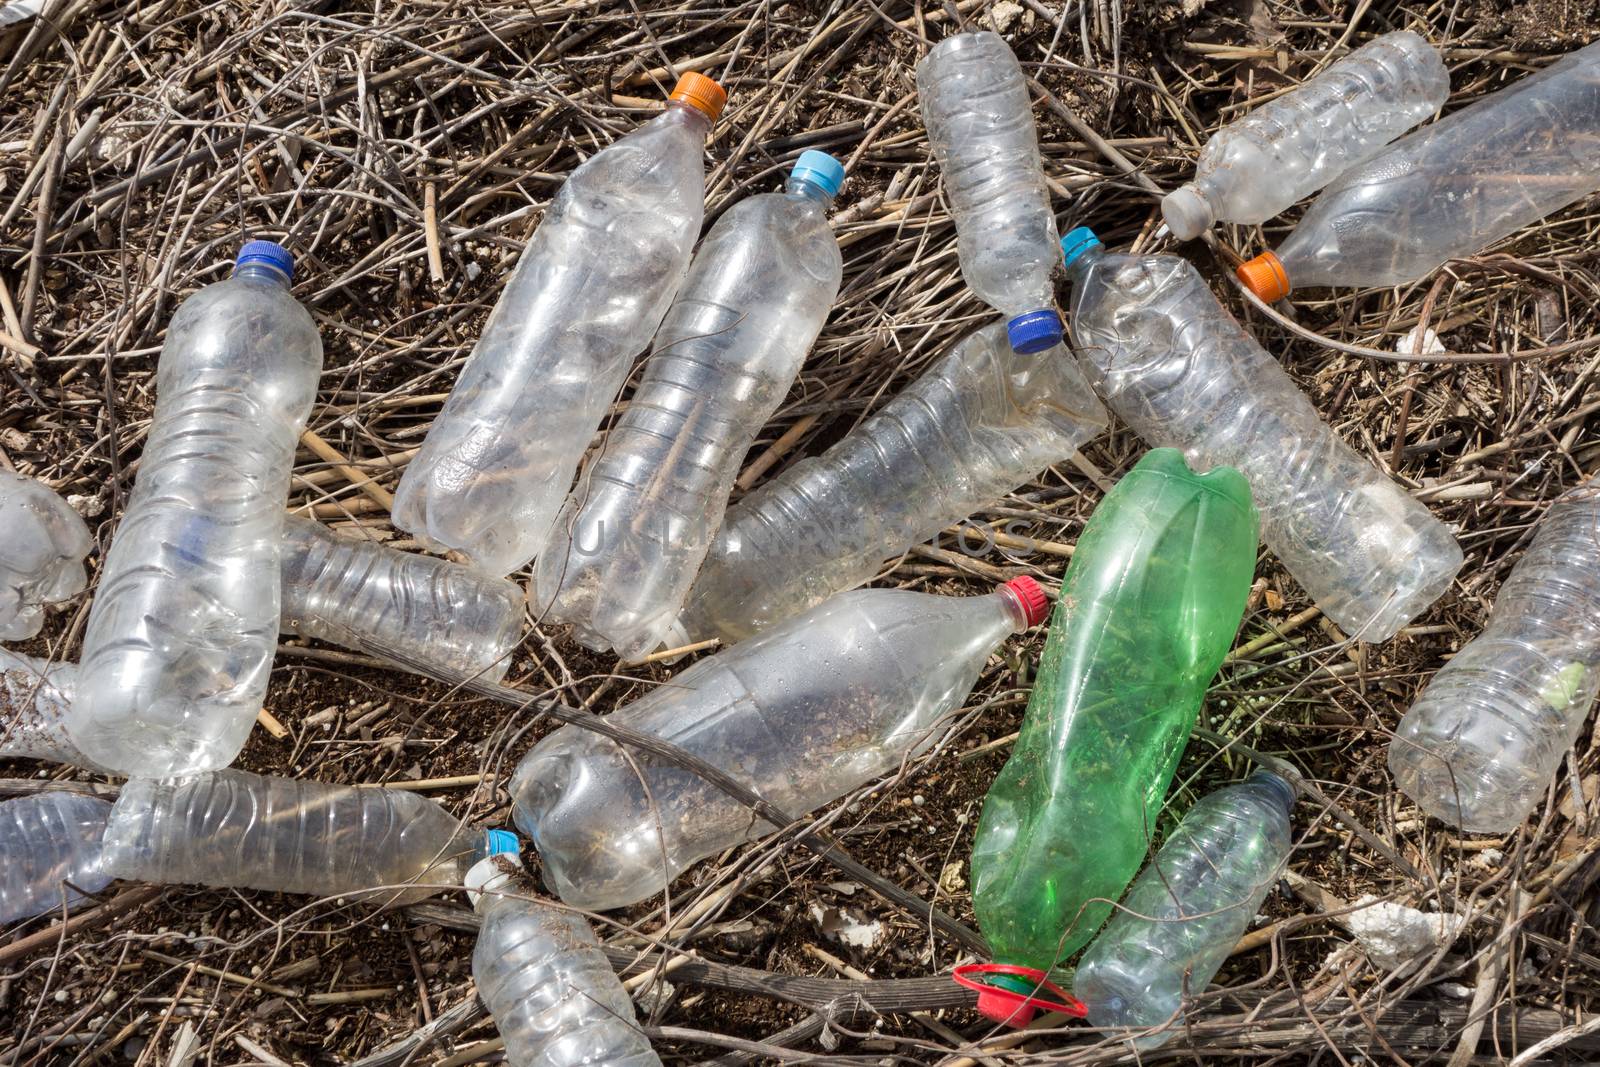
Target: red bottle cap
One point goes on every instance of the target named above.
(1030, 597)
(1002, 1005)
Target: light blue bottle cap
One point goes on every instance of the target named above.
(271, 253)
(1035, 331)
(500, 842)
(1078, 242)
(820, 169)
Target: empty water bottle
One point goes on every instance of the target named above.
(1290, 147)
(236, 829)
(51, 846)
(1449, 189)
(1480, 746)
(1179, 369)
(979, 118)
(542, 975)
(591, 288)
(185, 623)
(804, 713)
(982, 421)
(35, 696)
(42, 545)
(633, 535)
(1187, 909)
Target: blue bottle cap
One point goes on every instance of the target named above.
(1035, 331)
(1077, 243)
(500, 842)
(271, 253)
(820, 169)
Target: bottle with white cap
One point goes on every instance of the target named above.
(51, 847)
(184, 624)
(541, 973)
(42, 545)
(633, 534)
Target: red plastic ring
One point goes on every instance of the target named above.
(1021, 1008)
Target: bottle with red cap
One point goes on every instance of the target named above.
(593, 284)
(803, 714)
(1148, 608)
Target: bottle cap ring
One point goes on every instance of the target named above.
(1004, 1005)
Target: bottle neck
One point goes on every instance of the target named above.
(799, 186)
(691, 116)
(1085, 261)
(1015, 613)
(261, 271)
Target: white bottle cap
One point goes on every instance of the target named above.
(489, 874)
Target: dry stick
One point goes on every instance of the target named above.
(123, 901)
(328, 454)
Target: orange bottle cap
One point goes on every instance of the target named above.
(700, 93)
(1265, 277)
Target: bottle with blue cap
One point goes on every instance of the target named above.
(183, 628)
(1169, 359)
(541, 973)
(634, 533)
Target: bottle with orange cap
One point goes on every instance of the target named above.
(1180, 370)
(593, 285)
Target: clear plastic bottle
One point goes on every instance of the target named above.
(1449, 189)
(249, 831)
(48, 841)
(184, 624)
(1291, 146)
(979, 423)
(979, 117)
(1181, 371)
(1187, 909)
(1479, 747)
(804, 713)
(633, 535)
(35, 696)
(592, 286)
(365, 595)
(540, 972)
(42, 545)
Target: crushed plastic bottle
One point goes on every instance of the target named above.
(42, 545)
(633, 535)
(249, 831)
(540, 972)
(1287, 149)
(1480, 746)
(592, 286)
(1148, 609)
(804, 713)
(1182, 372)
(979, 118)
(982, 421)
(184, 625)
(35, 696)
(1449, 189)
(51, 845)
(1188, 909)
(365, 595)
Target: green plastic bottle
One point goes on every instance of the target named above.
(1149, 608)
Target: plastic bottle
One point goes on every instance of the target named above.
(540, 972)
(982, 421)
(979, 117)
(365, 595)
(1480, 746)
(804, 713)
(1178, 369)
(35, 697)
(1188, 909)
(249, 831)
(591, 288)
(1148, 609)
(184, 624)
(42, 545)
(1449, 189)
(1287, 149)
(633, 535)
(51, 845)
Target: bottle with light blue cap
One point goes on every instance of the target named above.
(631, 537)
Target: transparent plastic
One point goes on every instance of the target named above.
(1188, 909)
(1480, 746)
(982, 421)
(592, 286)
(35, 696)
(368, 596)
(184, 623)
(804, 713)
(1176, 366)
(1291, 146)
(632, 537)
(42, 545)
(51, 846)
(249, 831)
